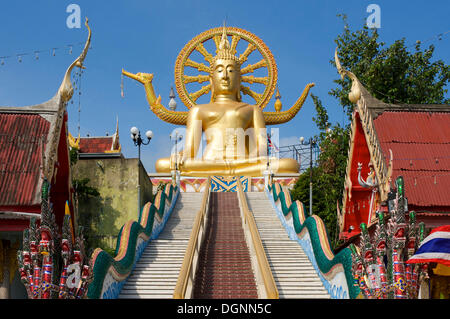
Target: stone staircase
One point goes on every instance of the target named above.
(292, 271)
(224, 268)
(156, 272)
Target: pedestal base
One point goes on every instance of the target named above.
(198, 184)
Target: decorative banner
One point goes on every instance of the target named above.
(197, 184)
(228, 183)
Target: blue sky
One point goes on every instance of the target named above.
(146, 36)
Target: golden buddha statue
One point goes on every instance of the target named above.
(235, 132)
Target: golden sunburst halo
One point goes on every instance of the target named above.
(252, 44)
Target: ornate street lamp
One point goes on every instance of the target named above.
(138, 141)
(311, 143)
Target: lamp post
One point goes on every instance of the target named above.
(177, 137)
(311, 143)
(138, 141)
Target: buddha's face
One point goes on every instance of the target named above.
(226, 77)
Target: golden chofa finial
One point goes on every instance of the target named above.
(66, 89)
(355, 92)
(278, 103)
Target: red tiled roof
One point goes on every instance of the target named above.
(21, 139)
(96, 144)
(420, 143)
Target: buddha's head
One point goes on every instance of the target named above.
(225, 73)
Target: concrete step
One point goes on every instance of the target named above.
(156, 273)
(292, 271)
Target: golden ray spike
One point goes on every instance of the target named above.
(208, 56)
(217, 39)
(199, 78)
(252, 67)
(198, 66)
(234, 42)
(205, 89)
(247, 91)
(244, 56)
(252, 79)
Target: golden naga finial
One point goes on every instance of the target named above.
(355, 92)
(74, 142)
(66, 89)
(274, 118)
(177, 118)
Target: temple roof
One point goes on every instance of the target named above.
(420, 143)
(22, 139)
(409, 140)
(98, 144)
(29, 144)
(29, 138)
(92, 145)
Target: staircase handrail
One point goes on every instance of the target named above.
(329, 264)
(110, 273)
(187, 271)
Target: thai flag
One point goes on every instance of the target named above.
(272, 145)
(435, 248)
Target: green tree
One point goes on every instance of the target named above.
(392, 74)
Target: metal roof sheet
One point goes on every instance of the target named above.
(96, 144)
(420, 143)
(22, 137)
(413, 127)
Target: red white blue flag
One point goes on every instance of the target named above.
(435, 248)
(272, 145)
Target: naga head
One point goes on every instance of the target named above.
(66, 242)
(46, 242)
(380, 235)
(357, 265)
(366, 245)
(412, 234)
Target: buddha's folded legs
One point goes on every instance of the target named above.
(255, 167)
